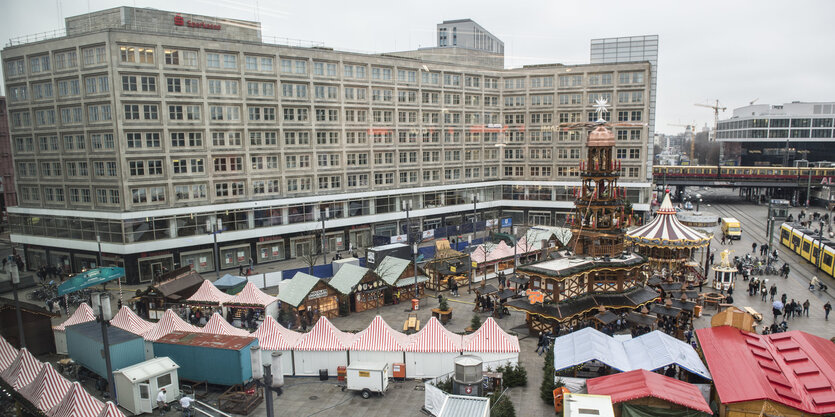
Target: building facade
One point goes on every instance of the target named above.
(632, 49)
(778, 135)
(465, 33)
(7, 187)
(148, 130)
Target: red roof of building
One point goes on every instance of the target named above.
(640, 383)
(208, 340)
(795, 369)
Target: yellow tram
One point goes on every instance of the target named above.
(805, 242)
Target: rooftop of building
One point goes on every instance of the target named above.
(795, 108)
(567, 265)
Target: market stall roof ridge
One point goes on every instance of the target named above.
(218, 325)
(641, 383)
(229, 281)
(180, 283)
(8, 353)
(379, 336)
(391, 268)
(434, 338)
(490, 338)
(47, 389)
(129, 321)
(208, 293)
(83, 313)
(251, 295)
(111, 410)
(347, 277)
(795, 369)
(294, 291)
(77, 402)
(324, 336)
(22, 371)
(656, 349)
(169, 322)
(272, 335)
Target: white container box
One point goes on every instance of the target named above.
(368, 377)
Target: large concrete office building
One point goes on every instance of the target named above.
(778, 135)
(149, 129)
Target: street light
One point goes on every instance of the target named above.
(214, 228)
(12, 269)
(102, 301)
(413, 245)
(820, 245)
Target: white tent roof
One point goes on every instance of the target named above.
(650, 351)
(148, 369)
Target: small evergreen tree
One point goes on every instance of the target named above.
(546, 390)
(443, 305)
(501, 406)
(475, 323)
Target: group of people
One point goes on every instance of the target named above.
(48, 272)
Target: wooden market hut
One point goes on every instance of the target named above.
(734, 317)
(447, 263)
(640, 392)
(783, 374)
(174, 288)
(669, 245)
(309, 297)
(400, 275)
(37, 326)
(361, 289)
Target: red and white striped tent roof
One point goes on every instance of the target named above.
(111, 410)
(217, 325)
(47, 390)
(251, 295)
(22, 371)
(434, 338)
(82, 314)
(273, 336)
(77, 402)
(7, 354)
(494, 252)
(379, 336)
(666, 230)
(128, 321)
(209, 294)
(170, 322)
(324, 336)
(490, 338)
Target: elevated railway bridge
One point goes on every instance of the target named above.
(795, 184)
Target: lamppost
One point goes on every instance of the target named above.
(98, 241)
(11, 268)
(475, 214)
(412, 244)
(214, 228)
(698, 201)
(104, 316)
(820, 245)
(809, 188)
(324, 214)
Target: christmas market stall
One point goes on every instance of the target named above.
(307, 298)
(251, 299)
(209, 299)
(671, 247)
(361, 288)
(169, 322)
(493, 345)
(172, 290)
(400, 275)
(431, 351)
(642, 393)
(273, 337)
(218, 325)
(81, 314)
(230, 284)
(323, 347)
(447, 264)
(37, 326)
(379, 343)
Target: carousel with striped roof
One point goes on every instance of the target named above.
(673, 250)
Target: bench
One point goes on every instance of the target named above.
(411, 324)
(720, 306)
(751, 311)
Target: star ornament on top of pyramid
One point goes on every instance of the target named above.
(601, 106)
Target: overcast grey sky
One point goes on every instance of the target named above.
(734, 51)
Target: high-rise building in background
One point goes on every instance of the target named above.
(632, 49)
(7, 186)
(778, 135)
(150, 129)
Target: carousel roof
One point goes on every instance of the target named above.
(667, 231)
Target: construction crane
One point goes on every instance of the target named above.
(716, 107)
(692, 140)
(713, 134)
(751, 103)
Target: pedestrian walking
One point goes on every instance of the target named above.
(711, 258)
(826, 309)
(783, 298)
(806, 307)
(722, 242)
(773, 291)
(754, 247)
(540, 345)
(764, 292)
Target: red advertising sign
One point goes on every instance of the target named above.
(179, 21)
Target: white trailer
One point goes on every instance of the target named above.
(368, 377)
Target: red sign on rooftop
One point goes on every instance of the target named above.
(179, 21)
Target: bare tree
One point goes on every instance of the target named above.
(309, 258)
